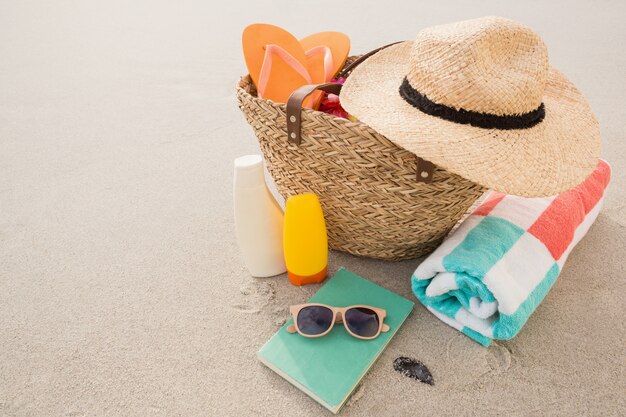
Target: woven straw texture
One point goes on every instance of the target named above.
(489, 65)
(367, 186)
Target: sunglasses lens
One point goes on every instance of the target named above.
(362, 321)
(315, 319)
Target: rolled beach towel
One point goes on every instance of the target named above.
(489, 276)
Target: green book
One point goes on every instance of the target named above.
(330, 367)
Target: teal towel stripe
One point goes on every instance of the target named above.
(483, 246)
(471, 287)
(445, 304)
(508, 326)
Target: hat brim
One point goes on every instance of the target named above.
(546, 159)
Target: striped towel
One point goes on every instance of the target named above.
(488, 277)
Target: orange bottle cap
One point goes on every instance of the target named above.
(304, 280)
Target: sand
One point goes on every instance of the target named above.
(122, 291)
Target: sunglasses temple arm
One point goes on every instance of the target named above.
(385, 328)
(292, 328)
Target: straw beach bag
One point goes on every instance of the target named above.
(379, 200)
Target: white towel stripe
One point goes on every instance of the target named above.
(520, 211)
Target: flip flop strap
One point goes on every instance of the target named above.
(272, 50)
(328, 60)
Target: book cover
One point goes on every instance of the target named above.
(330, 367)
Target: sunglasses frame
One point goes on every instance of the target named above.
(338, 315)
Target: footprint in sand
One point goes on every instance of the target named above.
(254, 296)
(472, 361)
(499, 357)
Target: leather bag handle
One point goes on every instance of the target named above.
(294, 106)
(425, 168)
(348, 68)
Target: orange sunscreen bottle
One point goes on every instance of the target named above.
(304, 240)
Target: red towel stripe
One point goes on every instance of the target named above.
(557, 224)
(488, 205)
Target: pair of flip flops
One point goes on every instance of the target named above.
(279, 63)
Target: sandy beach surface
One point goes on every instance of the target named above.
(122, 291)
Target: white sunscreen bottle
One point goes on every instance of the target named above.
(258, 219)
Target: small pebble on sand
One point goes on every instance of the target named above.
(413, 368)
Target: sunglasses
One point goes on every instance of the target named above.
(315, 320)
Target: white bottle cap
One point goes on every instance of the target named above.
(249, 171)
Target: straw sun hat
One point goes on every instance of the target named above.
(479, 98)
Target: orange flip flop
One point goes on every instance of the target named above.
(326, 54)
(276, 61)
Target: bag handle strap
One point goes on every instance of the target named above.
(348, 68)
(294, 106)
(294, 111)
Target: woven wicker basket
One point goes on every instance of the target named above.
(372, 202)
